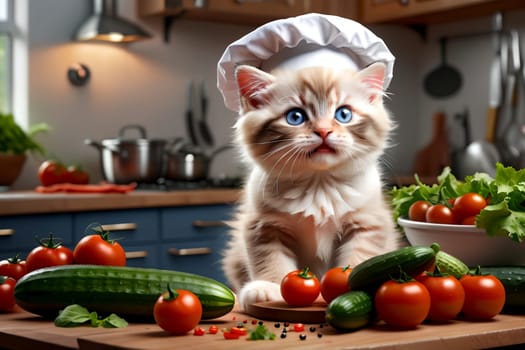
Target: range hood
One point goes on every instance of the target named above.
(105, 25)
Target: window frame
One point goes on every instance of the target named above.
(7, 28)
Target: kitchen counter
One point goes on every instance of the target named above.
(30, 202)
(21, 330)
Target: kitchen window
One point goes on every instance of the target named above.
(6, 39)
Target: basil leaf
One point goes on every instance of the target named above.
(72, 315)
(76, 315)
(114, 321)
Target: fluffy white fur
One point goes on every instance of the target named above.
(314, 193)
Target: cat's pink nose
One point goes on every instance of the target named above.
(323, 132)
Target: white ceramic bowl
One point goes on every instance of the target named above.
(466, 242)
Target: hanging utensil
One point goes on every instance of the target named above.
(511, 143)
(445, 80)
(478, 156)
(204, 129)
(190, 127)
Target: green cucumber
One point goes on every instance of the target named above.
(447, 263)
(513, 279)
(130, 292)
(350, 311)
(412, 260)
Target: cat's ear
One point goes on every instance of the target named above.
(253, 84)
(373, 77)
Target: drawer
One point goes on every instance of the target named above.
(195, 222)
(17, 233)
(142, 255)
(198, 257)
(124, 225)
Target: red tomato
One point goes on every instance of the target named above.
(98, 249)
(402, 304)
(484, 296)
(446, 296)
(51, 172)
(76, 175)
(469, 204)
(469, 220)
(300, 287)
(50, 252)
(177, 311)
(335, 282)
(7, 293)
(440, 214)
(418, 210)
(13, 267)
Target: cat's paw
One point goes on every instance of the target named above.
(259, 291)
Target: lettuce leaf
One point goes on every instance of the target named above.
(505, 214)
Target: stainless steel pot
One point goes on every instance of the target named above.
(190, 163)
(126, 160)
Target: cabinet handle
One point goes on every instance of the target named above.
(189, 251)
(137, 254)
(208, 223)
(125, 226)
(7, 232)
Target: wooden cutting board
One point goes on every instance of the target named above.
(281, 311)
(435, 156)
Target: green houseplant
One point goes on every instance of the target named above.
(15, 144)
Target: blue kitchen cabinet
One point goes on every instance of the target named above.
(185, 238)
(19, 234)
(137, 230)
(193, 239)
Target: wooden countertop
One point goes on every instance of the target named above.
(21, 330)
(30, 202)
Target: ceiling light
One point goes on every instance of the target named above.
(105, 25)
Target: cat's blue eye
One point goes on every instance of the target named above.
(295, 116)
(343, 114)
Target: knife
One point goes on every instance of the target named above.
(493, 111)
(190, 127)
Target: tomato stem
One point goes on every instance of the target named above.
(15, 259)
(305, 273)
(50, 242)
(403, 277)
(172, 294)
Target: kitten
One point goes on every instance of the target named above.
(314, 195)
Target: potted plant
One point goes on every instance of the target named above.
(15, 143)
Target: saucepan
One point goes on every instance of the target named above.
(190, 163)
(125, 160)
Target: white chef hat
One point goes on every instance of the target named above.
(308, 40)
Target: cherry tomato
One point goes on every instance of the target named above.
(177, 311)
(469, 204)
(213, 329)
(418, 210)
(76, 175)
(50, 252)
(13, 267)
(446, 296)
(484, 296)
(402, 304)
(230, 335)
(298, 327)
(7, 293)
(469, 220)
(440, 214)
(52, 172)
(335, 282)
(199, 331)
(300, 287)
(98, 249)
